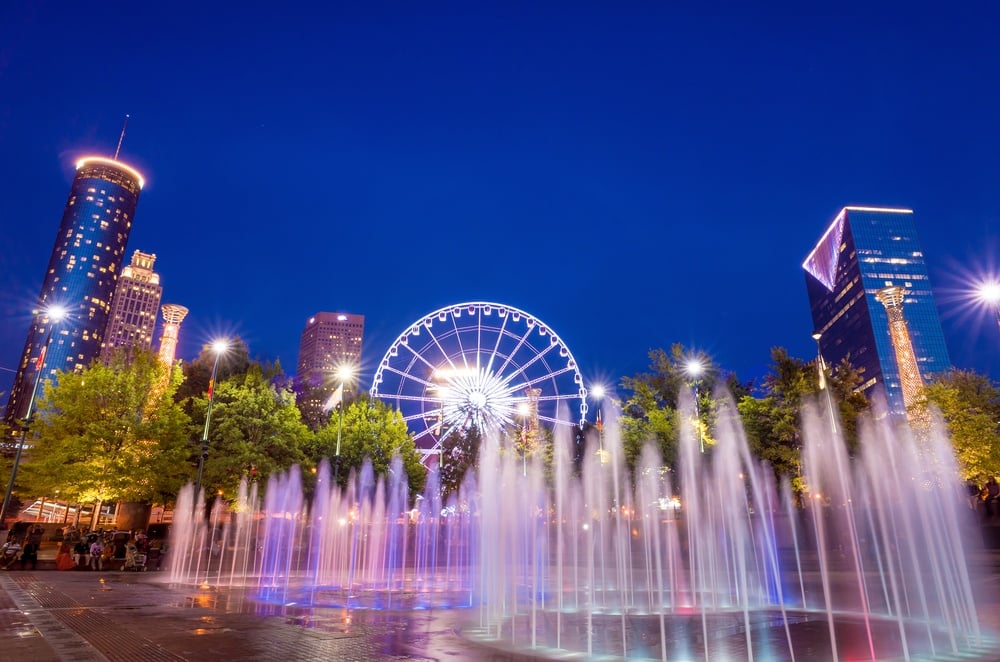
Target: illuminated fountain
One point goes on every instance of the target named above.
(711, 561)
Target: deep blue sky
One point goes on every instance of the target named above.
(633, 174)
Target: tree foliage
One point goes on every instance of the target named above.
(459, 455)
(970, 405)
(651, 411)
(371, 430)
(255, 429)
(110, 432)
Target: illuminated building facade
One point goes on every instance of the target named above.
(864, 251)
(134, 306)
(82, 273)
(329, 340)
(173, 315)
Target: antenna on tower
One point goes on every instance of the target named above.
(121, 137)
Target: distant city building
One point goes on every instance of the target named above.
(82, 273)
(328, 341)
(134, 306)
(173, 315)
(864, 251)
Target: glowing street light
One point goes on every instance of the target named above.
(598, 391)
(52, 315)
(345, 374)
(219, 347)
(988, 292)
(694, 368)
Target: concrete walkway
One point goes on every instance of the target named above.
(86, 616)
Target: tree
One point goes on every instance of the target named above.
(459, 455)
(773, 420)
(970, 405)
(651, 411)
(371, 430)
(256, 429)
(111, 432)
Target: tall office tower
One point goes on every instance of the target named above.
(134, 306)
(865, 250)
(82, 273)
(328, 341)
(910, 381)
(173, 315)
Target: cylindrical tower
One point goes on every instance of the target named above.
(173, 315)
(82, 272)
(910, 381)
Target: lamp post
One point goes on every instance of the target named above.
(219, 347)
(694, 368)
(344, 374)
(54, 315)
(989, 294)
(598, 392)
(821, 368)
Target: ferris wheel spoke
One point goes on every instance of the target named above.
(407, 376)
(496, 346)
(417, 355)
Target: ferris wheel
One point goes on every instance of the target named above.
(479, 364)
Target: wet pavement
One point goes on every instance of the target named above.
(89, 616)
(84, 616)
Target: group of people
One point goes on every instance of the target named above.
(986, 499)
(83, 550)
(21, 546)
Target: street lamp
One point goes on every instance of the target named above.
(694, 369)
(53, 315)
(821, 368)
(989, 293)
(345, 374)
(597, 392)
(219, 347)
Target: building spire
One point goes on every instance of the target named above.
(121, 137)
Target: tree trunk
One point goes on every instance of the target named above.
(133, 515)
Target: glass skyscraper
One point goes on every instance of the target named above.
(864, 251)
(81, 276)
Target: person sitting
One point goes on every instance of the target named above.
(81, 554)
(97, 555)
(29, 555)
(64, 559)
(991, 500)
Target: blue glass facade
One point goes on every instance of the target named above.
(864, 250)
(81, 276)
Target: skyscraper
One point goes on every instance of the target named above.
(862, 252)
(134, 306)
(82, 273)
(328, 341)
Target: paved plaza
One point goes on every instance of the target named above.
(87, 616)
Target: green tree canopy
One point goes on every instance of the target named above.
(255, 430)
(110, 432)
(371, 430)
(970, 405)
(650, 412)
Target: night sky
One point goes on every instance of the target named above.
(633, 174)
